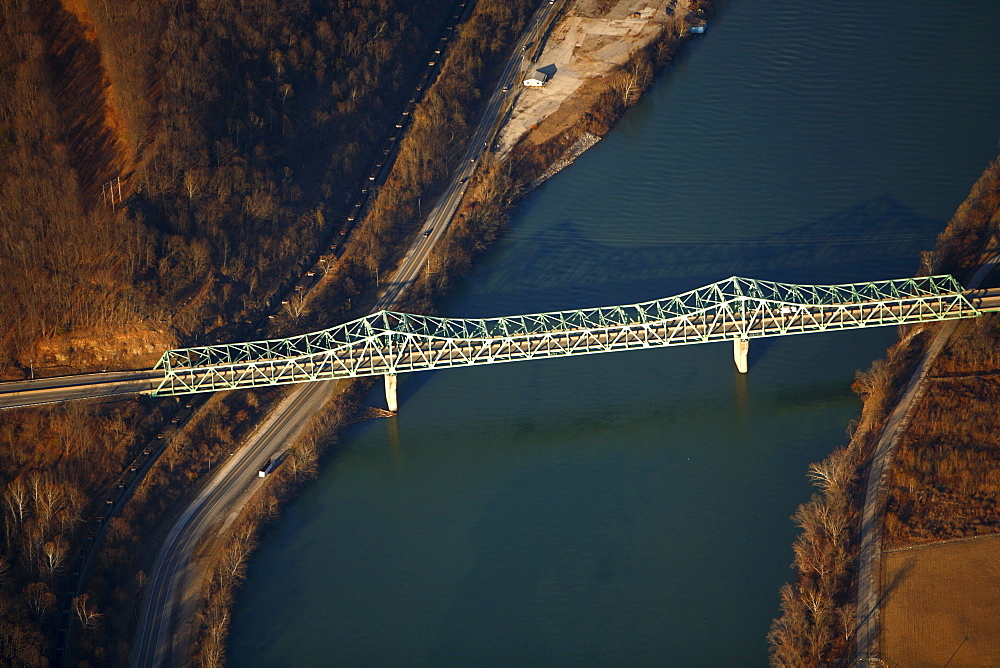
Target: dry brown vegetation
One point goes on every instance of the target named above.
(231, 557)
(435, 140)
(420, 169)
(944, 480)
(238, 129)
(817, 621)
(52, 464)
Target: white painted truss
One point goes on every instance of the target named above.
(387, 342)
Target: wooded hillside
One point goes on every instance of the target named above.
(165, 169)
(236, 129)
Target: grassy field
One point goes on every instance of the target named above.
(942, 604)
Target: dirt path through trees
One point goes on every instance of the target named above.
(869, 592)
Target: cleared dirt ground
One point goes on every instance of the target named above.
(942, 604)
(587, 43)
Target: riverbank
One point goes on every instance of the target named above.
(494, 189)
(509, 490)
(585, 54)
(821, 619)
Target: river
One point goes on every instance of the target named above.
(634, 508)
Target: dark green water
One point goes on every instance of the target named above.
(633, 508)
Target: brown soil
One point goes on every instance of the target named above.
(942, 604)
(569, 112)
(591, 40)
(124, 349)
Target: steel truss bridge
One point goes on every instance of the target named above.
(737, 309)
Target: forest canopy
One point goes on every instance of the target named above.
(165, 162)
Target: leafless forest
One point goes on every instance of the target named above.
(944, 482)
(161, 164)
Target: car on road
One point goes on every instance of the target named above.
(506, 88)
(428, 231)
(464, 179)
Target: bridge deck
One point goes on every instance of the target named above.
(734, 309)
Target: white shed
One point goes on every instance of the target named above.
(537, 79)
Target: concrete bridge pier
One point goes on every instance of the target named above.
(740, 349)
(390, 391)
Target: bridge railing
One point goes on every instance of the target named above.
(388, 342)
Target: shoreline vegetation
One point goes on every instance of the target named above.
(213, 212)
(494, 190)
(944, 479)
(236, 128)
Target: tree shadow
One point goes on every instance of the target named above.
(80, 86)
(897, 579)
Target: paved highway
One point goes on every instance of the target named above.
(436, 224)
(156, 639)
(81, 386)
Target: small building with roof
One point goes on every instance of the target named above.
(537, 79)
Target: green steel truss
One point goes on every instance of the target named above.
(387, 342)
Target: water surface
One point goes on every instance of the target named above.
(633, 508)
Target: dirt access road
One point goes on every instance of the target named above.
(869, 587)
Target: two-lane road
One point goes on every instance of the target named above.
(82, 386)
(156, 636)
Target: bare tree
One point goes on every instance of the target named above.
(39, 598)
(630, 81)
(241, 544)
(15, 496)
(813, 554)
(787, 635)
(54, 554)
(48, 503)
(296, 304)
(848, 618)
(86, 612)
(834, 472)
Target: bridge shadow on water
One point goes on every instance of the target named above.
(569, 267)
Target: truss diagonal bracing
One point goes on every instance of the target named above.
(387, 342)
